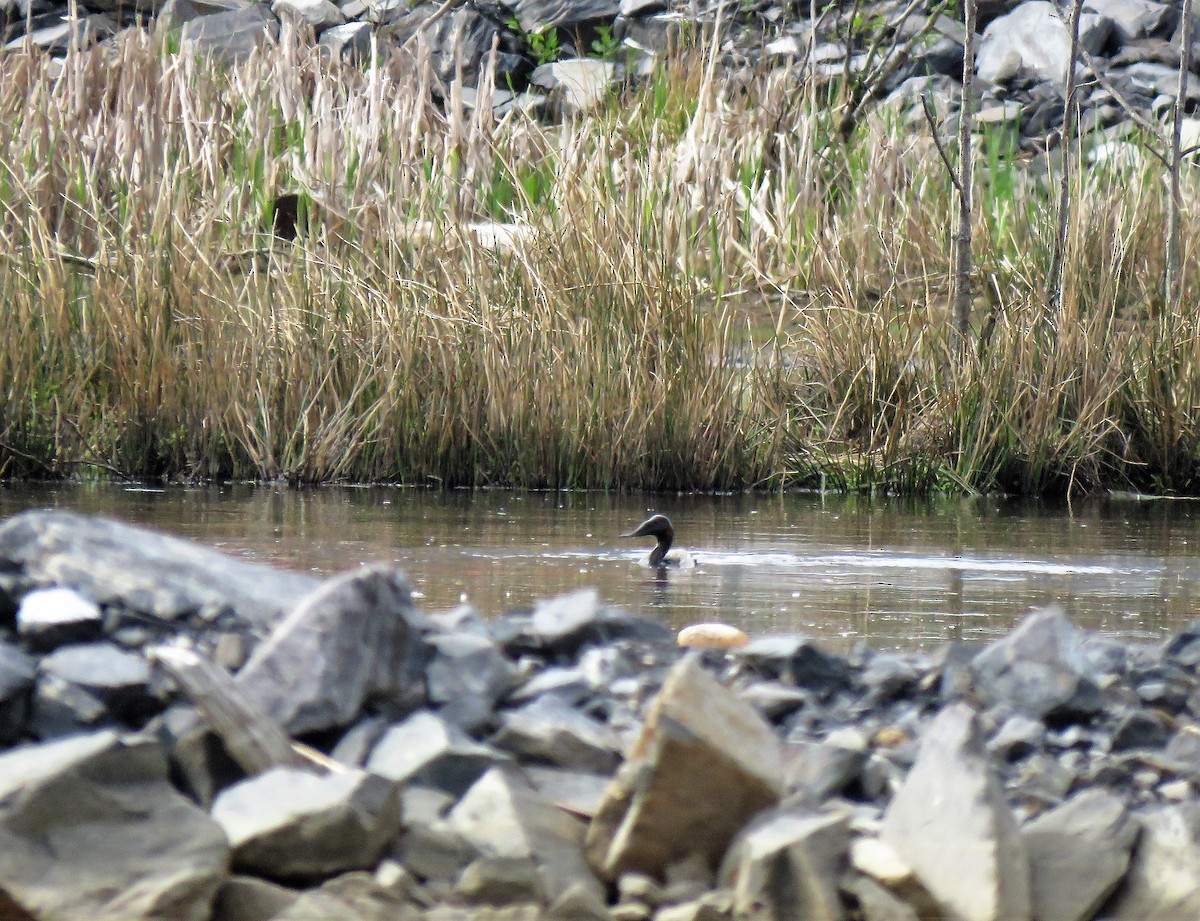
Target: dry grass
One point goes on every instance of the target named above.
(700, 289)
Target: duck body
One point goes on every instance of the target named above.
(660, 528)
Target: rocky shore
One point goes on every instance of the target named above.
(190, 736)
(564, 55)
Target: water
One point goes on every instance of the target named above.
(899, 575)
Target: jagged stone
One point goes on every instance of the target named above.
(426, 750)
(820, 769)
(1039, 669)
(288, 823)
(52, 617)
(60, 708)
(350, 897)
(351, 642)
(164, 577)
(552, 732)
(462, 665)
(119, 678)
(1133, 19)
(949, 821)
(577, 85)
(564, 625)
(91, 828)
(17, 677)
(1078, 854)
(247, 898)
(233, 36)
(1161, 882)
(798, 660)
(698, 738)
(577, 792)
(1034, 38)
(350, 42)
(318, 14)
(786, 865)
(563, 14)
(503, 817)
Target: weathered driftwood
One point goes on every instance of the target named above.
(252, 738)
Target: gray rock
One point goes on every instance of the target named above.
(564, 625)
(17, 676)
(350, 42)
(318, 14)
(288, 823)
(1017, 737)
(786, 865)
(174, 13)
(563, 14)
(553, 732)
(878, 903)
(119, 678)
(698, 738)
(503, 817)
(1039, 669)
(91, 828)
(950, 823)
(58, 34)
(798, 660)
(60, 708)
(355, 746)
(247, 898)
(577, 85)
(464, 34)
(351, 642)
(1161, 882)
(1078, 853)
(576, 792)
(52, 617)
(1037, 38)
(1140, 729)
(144, 571)
(496, 880)
(426, 750)
(1133, 19)
(819, 769)
(231, 37)
(463, 664)
(350, 897)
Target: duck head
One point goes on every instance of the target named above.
(657, 526)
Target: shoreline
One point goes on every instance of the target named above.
(303, 747)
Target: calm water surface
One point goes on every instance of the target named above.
(895, 574)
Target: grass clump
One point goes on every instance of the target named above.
(702, 286)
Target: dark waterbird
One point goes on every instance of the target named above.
(659, 527)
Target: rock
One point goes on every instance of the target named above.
(60, 34)
(350, 43)
(350, 897)
(246, 898)
(819, 769)
(949, 822)
(553, 732)
(1133, 19)
(143, 571)
(424, 749)
(564, 625)
(1039, 669)
(51, 617)
(576, 792)
(563, 14)
(713, 906)
(501, 816)
(120, 679)
(318, 14)
(290, 824)
(1037, 37)
(350, 643)
(1161, 882)
(463, 664)
(786, 865)
(464, 33)
(1018, 737)
(354, 747)
(17, 676)
(231, 37)
(698, 738)
(91, 828)
(1140, 729)
(174, 13)
(877, 903)
(798, 660)
(1078, 854)
(60, 708)
(496, 880)
(712, 636)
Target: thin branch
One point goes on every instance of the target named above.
(937, 142)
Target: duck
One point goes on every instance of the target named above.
(659, 526)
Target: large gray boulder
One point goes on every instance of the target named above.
(787, 865)
(428, 751)
(550, 731)
(164, 577)
(91, 828)
(1034, 38)
(290, 823)
(950, 823)
(1162, 883)
(351, 642)
(1133, 19)
(563, 14)
(231, 37)
(504, 818)
(1040, 670)
(1078, 854)
(705, 763)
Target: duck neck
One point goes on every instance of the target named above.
(659, 553)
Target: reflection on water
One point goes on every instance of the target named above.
(896, 574)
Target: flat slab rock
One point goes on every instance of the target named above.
(704, 764)
(168, 578)
(91, 828)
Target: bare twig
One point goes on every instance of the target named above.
(1055, 280)
(937, 142)
(1175, 202)
(962, 239)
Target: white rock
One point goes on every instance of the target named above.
(582, 82)
(320, 14)
(1039, 37)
